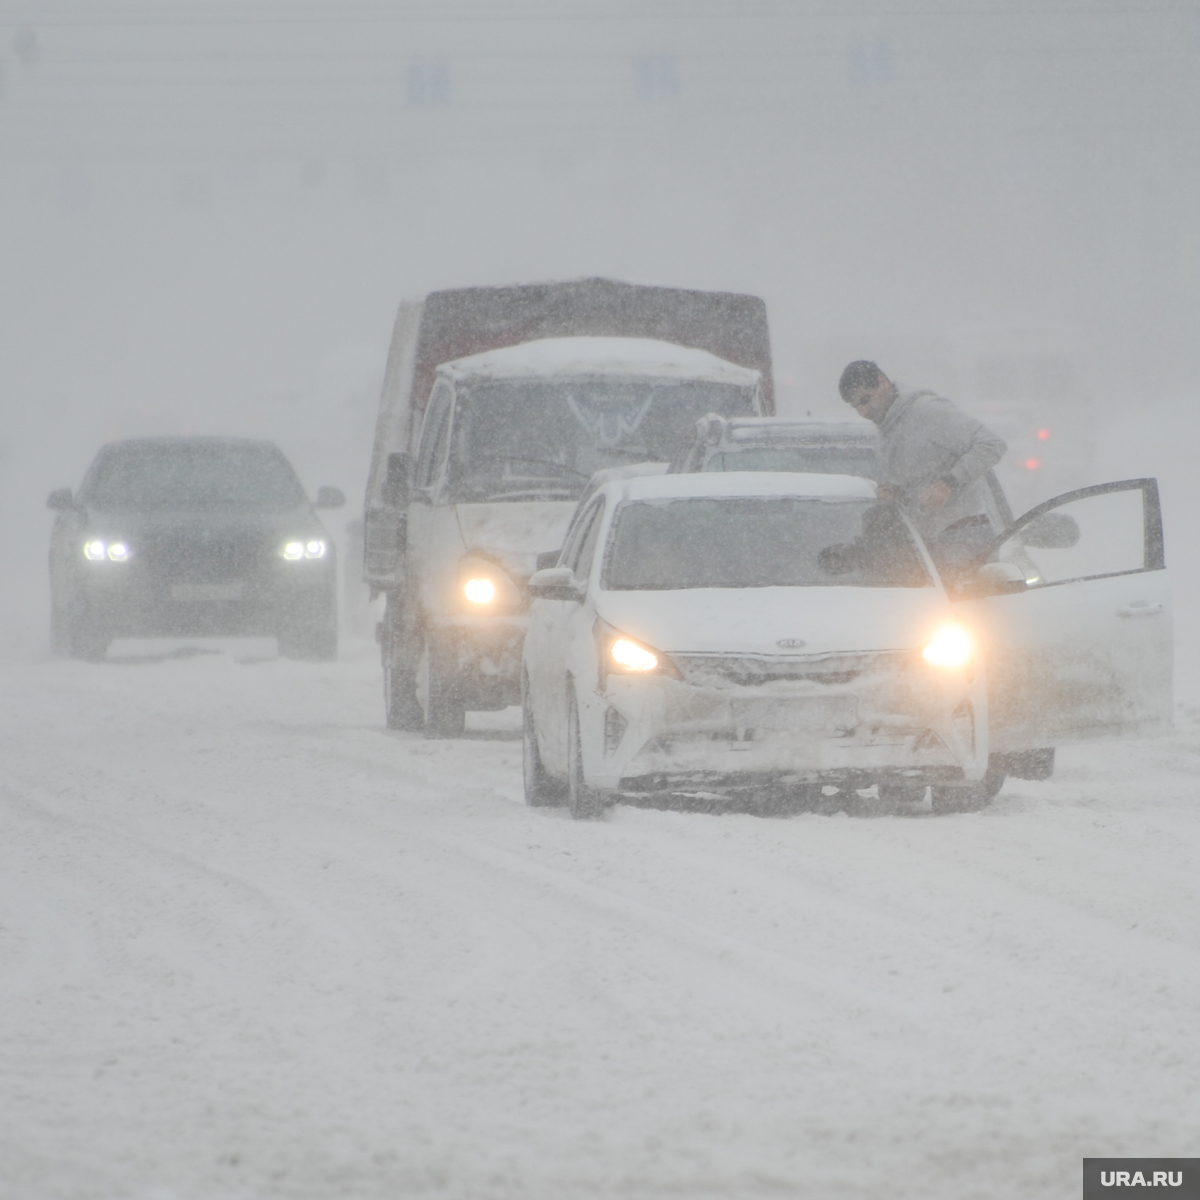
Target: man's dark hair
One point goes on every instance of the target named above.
(858, 375)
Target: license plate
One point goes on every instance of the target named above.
(206, 591)
(812, 713)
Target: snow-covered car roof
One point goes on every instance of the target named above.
(788, 431)
(740, 483)
(600, 356)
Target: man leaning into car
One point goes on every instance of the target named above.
(932, 459)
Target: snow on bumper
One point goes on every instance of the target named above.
(830, 717)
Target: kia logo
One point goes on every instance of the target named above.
(790, 643)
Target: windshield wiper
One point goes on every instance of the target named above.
(538, 462)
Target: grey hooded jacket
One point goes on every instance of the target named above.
(924, 438)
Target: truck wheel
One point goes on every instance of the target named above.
(968, 797)
(445, 714)
(541, 791)
(586, 803)
(401, 705)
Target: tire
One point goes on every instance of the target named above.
(310, 643)
(969, 797)
(586, 803)
(541, 791)
(83, 639)
(402, 709)
(445, 713)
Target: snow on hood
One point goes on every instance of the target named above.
(515, 532)
(755, 620)
(591, 356)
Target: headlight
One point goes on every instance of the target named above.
(313, 548)
(622, 655)
(479, 591)
(629, 656)
(97, 550)
(950, 647)
(484, 586)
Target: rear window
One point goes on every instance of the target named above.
(812, 460)
(774, 541)
(198, 475)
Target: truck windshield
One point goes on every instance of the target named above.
(149, 476)
(761, 541)
(543, 439)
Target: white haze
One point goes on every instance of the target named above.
(209, 211)
(234, 903)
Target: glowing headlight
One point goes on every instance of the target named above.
(950, 647)
(484, 587)
(295, 551)
(479, 591)
(97, 550)
(629, 656)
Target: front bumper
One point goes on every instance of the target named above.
(485, 654)
(850, 720)
(124, 601)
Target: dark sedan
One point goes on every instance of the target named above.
(187, 537)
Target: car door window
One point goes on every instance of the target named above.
(1111, 529)
(578, 556)
(434, 435)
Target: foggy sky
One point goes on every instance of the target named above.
(209, 211)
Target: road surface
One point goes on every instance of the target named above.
(254, 945)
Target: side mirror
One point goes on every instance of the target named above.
(555, 583)
(547, 558)
(395, 485)
(1051, 531)
(61, 500)
(330, 497)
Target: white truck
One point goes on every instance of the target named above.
(498, 405)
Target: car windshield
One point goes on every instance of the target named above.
(525, 439)
(812, 460)
(196, 475)
(770, 541)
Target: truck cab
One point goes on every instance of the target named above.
(509, 440)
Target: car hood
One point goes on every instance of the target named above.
(776, 620)
(165, 522)
(515, 532)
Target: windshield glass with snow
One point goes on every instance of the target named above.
(529, 439)
(812, 460)
(773, 541)
(149, 477)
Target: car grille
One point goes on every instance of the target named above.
(746, 670)
(204, 558)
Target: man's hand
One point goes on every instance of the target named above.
(935, 495)
(889, 493)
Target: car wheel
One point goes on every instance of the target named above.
(968, 797)
(81, 637)
(445, 714)
(401, 705)
(312, 643)
(541, 791)
(586, 803)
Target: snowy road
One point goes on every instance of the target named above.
(253, 945)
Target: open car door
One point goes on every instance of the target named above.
(1079, 644)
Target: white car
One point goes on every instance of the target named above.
(766, 633)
